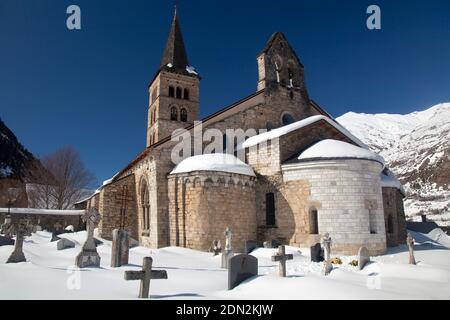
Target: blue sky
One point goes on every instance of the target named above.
(88, 88)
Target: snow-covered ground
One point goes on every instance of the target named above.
(49, 274)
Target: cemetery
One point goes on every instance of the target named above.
(81, 265)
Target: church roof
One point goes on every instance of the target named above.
(276, 133)
(335, 149)
(273, 38)
(221, 162)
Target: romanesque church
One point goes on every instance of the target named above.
(317, 178)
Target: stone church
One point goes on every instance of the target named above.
(316, 178)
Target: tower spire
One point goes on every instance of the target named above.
(174, 55)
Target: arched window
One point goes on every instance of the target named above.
(186, 94)
(183, 115)
(313, 221)
(269, 125)
(171, 92)
(270, 209)
(390, 226)
(173, 114)
(287, 119)
(145, 206)
(179, 93)
(154, 116)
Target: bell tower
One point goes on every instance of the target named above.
(280, 67)
(174, 92)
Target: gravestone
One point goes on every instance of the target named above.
(17, 255)
(326, 242)
(145, 276)
(316, 253)
(228, 252)
(216, 247)
(250, 245)
(56, 231)
(272, 244)
(120, 248)
(5, 241)
(363, 257)
(267, 244)
(282, 257)
(7, 228)
(89, 255)
(70, 229)
(410, 243)
(241, 267)
(133, 243)
(65, 244)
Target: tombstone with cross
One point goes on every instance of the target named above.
(120, 248)
(410, 243)
(89, 255)
(145, 275)
(17, 255)
(281, 257)
(326, 242)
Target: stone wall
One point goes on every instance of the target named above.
(203, 204)
(394, 216)
(347, 195)
(111, 204)
(47, 222)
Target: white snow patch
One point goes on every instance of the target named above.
(191, 70)
(43, 211)
(214, 162)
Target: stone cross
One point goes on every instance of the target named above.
(17, 255)
(410, 243)
(282, 257)
(88, 255)
(57, 226)
(228, 235)
(145, 275)
(326, 242)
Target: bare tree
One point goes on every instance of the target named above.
(63, 182)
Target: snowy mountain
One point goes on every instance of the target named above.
(416, 147)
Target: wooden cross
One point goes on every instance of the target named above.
(145, 275)
(282, 257)
(124, 198)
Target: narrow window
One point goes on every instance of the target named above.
(183, 115)
(313, 221)
(224, 142)
(171, 92)
(186, 94)
(270, 209)
(145, 206)
(174, 114)
(179, 93)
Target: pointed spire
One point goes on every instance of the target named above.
(175, 53)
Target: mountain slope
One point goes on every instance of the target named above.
(416, 147)
(16, 162)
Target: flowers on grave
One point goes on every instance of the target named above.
(336, 260)
(354, 263)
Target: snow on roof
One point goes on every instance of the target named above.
(389, 180)
(43, 211)
(191, 70)
(214, 162)
(338, 149)
(276, 133)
